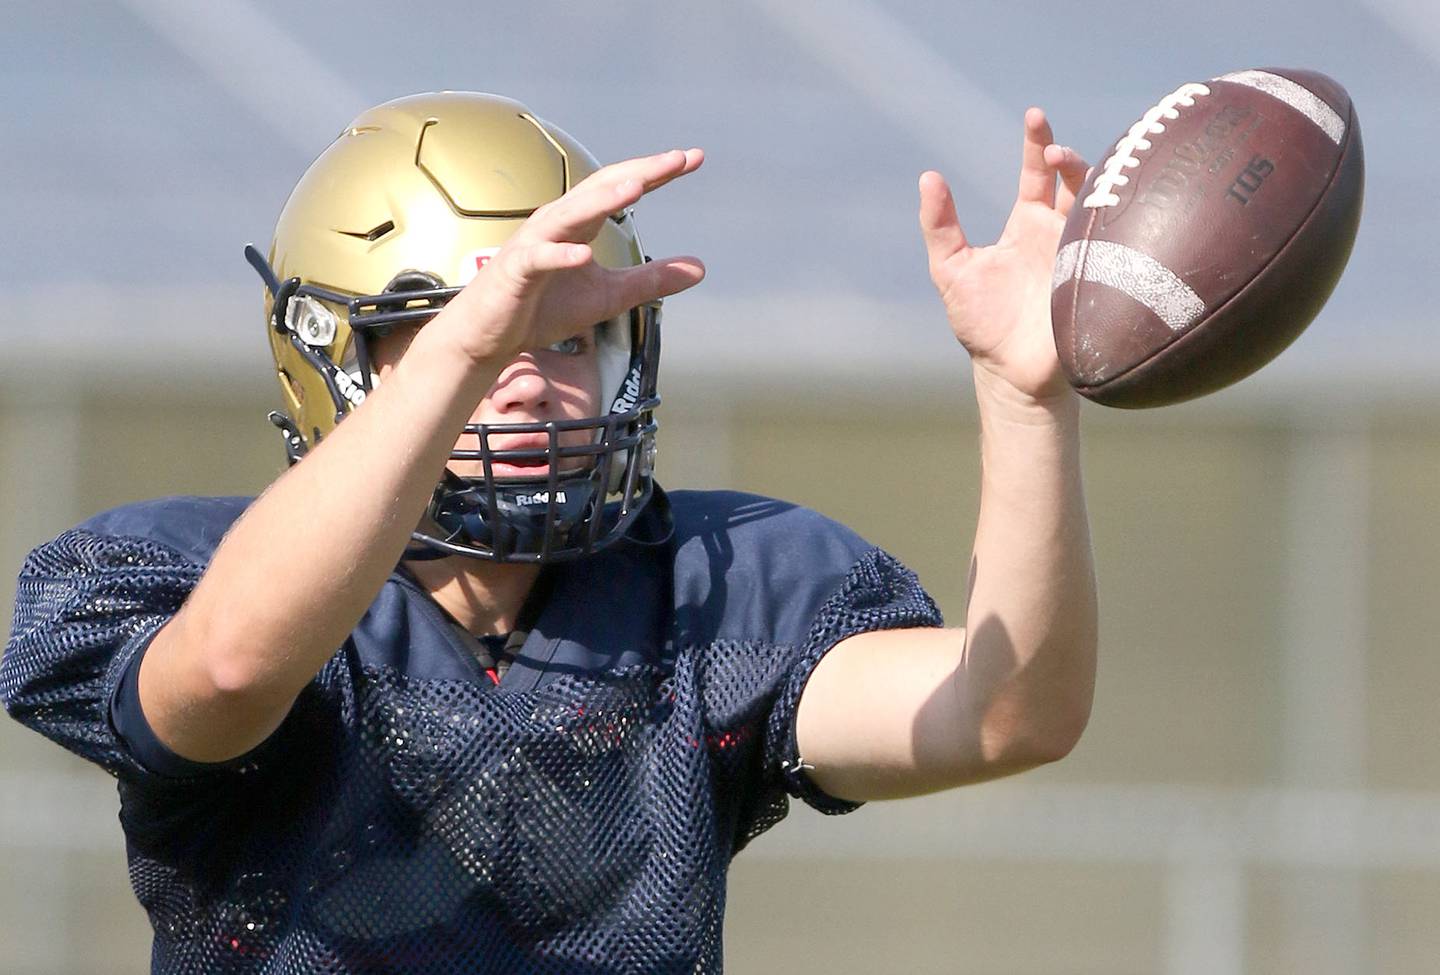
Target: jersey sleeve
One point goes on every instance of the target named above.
(87, 603)
(878, 593)
(764, 589)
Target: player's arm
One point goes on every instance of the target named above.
(903, 712)
(298, 570)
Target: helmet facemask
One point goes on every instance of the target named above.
(566, 511)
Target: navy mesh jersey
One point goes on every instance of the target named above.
(410, 815)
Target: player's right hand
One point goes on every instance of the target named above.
(544, 286)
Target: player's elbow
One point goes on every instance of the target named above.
(206, 694)
(1026, 748)
(1019, 750)
(1062, 734)
(236, 673)
(230, 677)
(1027, 730)
(212, 664)
(1057, 697)
(1062, 720)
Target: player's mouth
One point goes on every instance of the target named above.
(534, 467)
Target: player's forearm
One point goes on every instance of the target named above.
(297, 571)
(1031, 621)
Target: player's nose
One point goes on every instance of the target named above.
(522, 387)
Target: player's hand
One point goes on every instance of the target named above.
(998, 297)
(544, 286)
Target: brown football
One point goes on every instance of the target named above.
(1208, 237)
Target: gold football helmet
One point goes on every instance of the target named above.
(392, 220)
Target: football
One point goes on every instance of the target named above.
(1208, 237)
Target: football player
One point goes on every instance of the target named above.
(465, 689)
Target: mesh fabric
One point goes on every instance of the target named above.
(398, 824)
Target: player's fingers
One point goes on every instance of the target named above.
(646, 282)
(526, 265)
(652, 171)
(1037, 180)
(939, 223)
(694, 159)
(1073, 173)
(578, 214)
(517, 275)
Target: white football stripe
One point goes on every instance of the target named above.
(1137, 275)
(1065, 262)
(1302, 99)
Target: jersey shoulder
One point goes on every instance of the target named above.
(759, 526)
(748, 567)
(192, 526)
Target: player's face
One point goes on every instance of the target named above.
(561, 382)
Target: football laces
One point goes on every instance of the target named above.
(1112, 174)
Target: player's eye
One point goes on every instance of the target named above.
(574, 345)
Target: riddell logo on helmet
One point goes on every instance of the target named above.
(540, 497)
(471, 264)
(349, 388)
(629, 393)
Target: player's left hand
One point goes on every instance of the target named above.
(998, 297)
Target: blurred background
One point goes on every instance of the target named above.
(1259, 789)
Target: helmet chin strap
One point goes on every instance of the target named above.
(516, 517)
